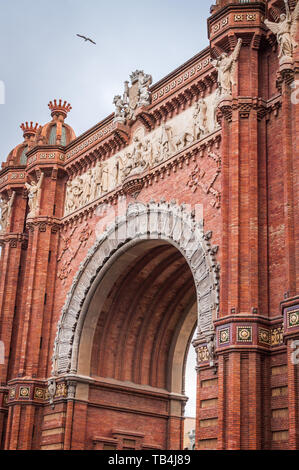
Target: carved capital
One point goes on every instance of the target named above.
(44, 223)
(225, 110)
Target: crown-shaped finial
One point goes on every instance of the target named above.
(59, 107)
(29, 130)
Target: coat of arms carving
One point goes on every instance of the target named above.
(135, 96)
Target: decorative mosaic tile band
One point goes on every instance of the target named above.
(202, 355)
(244, 334)
(293, 319)
(31, 392)
(224, 336)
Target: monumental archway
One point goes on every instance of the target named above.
(155, 221)
(130, 316)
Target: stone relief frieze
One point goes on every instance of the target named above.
(145, 152)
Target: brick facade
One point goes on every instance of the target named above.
(107, 322)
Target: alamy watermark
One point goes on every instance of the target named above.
(295, 353)
(2, 353)
(178, 222)
(295, 94)
(2, 92)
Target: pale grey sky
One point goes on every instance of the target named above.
(42, 59)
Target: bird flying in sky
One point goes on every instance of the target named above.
(86, 39)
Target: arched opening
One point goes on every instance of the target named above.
(142, 315)
(137, 333)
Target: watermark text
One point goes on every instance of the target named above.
(2, 353)
(2, 92)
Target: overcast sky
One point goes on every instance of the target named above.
(41, 59)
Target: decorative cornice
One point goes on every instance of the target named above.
(14, 239)
(244, 105)
(286, 74)
(43, 223)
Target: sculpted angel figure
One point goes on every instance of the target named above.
(225, 65)
(6, 206)
(34, 190)
(285, 31)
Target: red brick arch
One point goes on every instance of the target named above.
(155, 228)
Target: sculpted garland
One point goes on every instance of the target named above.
(145, 152)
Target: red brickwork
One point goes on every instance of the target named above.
(126, 389)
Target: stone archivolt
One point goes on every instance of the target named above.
(144, 153)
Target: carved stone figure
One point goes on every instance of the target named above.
(147, 150)
(87, 187)
(135, 162)
(78, 191)
(70, 199)
(184, 139)
(191, 435)
(144, 82)
(101, 179)
(115, 174)
(225, 65)
(127, 165)
(211, 350)
(34, 190)
(200, 119)
(120, 109)
(215, 103)
(6, 206)
(164, 144)
(52, 392)
(71, 389)
(285, 31)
